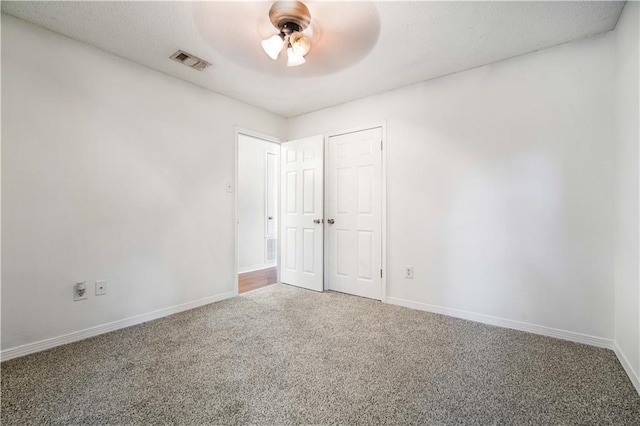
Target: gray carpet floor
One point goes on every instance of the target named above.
(282, 355)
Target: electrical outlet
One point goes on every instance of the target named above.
(408, 272)
(101, 288)
(79, 291)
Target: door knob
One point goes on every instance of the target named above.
(317, 220)
(331, 221)
(270, 218)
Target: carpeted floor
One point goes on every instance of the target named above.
(281, 355)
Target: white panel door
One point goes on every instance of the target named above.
(354, 213)
(301, 213)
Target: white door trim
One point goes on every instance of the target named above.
(236, 255)
(383, 126)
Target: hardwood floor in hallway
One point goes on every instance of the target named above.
(257, 279)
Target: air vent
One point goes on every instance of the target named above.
(190, 60)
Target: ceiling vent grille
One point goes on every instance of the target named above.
(190, 60)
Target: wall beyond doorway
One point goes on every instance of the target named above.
(257, 234)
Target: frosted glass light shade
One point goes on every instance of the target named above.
(300, 44)
(294, 60)
(272, 46)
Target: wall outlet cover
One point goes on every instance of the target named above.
(408, 272)
(80, 291)
(101, 288)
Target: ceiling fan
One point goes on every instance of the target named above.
(340, 34)
(291, 18)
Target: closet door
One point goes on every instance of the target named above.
(354, 213)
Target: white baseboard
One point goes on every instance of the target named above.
(43, 345)
(255, 268)
(502, 322)
(635, 379)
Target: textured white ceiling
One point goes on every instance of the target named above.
(393, 43)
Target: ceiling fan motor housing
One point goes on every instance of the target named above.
(289, 16)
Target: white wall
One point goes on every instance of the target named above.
(627, 273)
(251, 201)
(500, 183)
(500, 186)
(110, 171)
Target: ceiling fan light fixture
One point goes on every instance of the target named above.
(300, 44)
(273, 46)
(293, 59)
(290, 18)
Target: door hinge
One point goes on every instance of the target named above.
(380, 273)
(380, 144)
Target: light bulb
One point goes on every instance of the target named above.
(300, 44)
(294, 60)
(273, 46)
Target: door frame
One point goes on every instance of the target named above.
(383, 126)
(236, 252)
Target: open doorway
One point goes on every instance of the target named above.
(258, 170)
